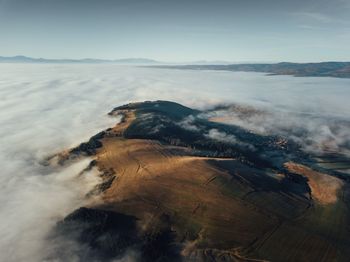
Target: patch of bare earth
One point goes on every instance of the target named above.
(324, 188)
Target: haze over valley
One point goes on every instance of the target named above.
(46, 109)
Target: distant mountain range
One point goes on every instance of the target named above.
(330, 69)
(25, 59)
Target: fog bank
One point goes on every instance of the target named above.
(48, 108)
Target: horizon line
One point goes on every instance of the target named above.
(151, 60)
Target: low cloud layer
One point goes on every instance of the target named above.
(316, 134)
(47, 108)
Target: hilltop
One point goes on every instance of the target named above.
(178, 185)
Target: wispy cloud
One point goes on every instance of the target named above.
(315, 17)
(318, 20)
(310, 27)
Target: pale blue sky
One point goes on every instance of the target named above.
(182, 30)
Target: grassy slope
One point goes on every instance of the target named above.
(239, 206)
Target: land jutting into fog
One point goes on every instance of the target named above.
(179, 183)
(330, 69)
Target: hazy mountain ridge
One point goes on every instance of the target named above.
(25, 59)
(330, 69)
(145, 61)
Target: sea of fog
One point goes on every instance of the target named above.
(48, 108)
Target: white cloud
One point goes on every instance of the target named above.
(188, 124)
(46, 108)
(221, 136)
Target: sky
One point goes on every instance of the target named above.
(178, 31)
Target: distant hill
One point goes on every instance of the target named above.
(25, 59)
(331, 69)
